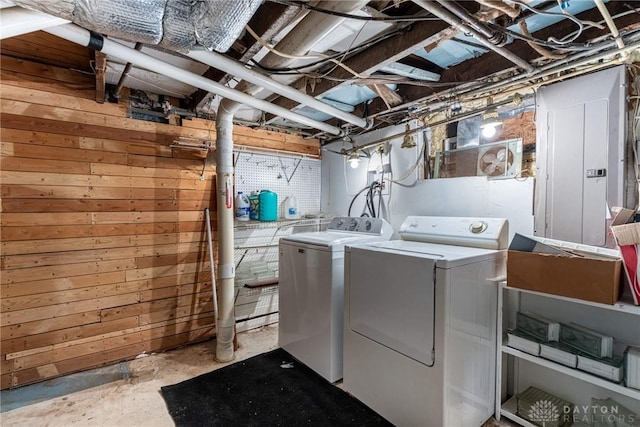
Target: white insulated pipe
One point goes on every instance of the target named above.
(237, 69)
(609, 20)
(225, 321)
(17, 20)
(83, 37)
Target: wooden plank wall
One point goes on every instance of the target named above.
(102, 226)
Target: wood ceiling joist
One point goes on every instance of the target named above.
(101, 68)
(491, 62)
(386, 52)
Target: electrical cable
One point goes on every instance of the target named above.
(563, 14)
(354, 199)
(286, 55)
(419, 159)
(355, 49)
(304, 5)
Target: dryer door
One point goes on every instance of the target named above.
(391, 301)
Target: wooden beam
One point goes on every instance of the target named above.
(101, 68)
(367, 62)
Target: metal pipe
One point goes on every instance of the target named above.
(83, 37)
(230, 66)
(456, 118)
(17, 20)
(471, 89)
(494, 37)
(125, 73)
(451, 19)
(612, 26)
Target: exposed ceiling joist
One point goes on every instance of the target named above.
(491, 62)
(371, 60)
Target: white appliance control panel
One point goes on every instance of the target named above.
(489, 233)
(375, 226)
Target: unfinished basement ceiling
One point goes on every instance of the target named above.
(385, 60)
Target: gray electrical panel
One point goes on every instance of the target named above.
(580, 156)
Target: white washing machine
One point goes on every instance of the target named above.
(420, 321)
(311, 290)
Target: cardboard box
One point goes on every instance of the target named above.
(563, 268)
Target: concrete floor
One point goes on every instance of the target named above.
(133, 401)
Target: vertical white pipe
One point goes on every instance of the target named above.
(226, 264)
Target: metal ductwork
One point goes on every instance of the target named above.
(173, 24)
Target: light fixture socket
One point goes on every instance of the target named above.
(408, 141)
(354, 159)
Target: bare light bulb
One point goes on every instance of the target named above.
(354, 159)
(489, 131)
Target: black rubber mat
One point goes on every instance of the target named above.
(271, 389)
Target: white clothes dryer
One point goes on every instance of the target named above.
(420, 322)
(311, 290)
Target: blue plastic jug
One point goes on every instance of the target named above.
(268, 206)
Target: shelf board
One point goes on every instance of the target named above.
(508, 410)
(584, 376)
(621, 306)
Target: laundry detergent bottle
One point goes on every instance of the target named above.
(242, 207)
(291, 210)
(268, 205)
(254, 202)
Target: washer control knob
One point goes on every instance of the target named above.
(478, 227)
(367, 225)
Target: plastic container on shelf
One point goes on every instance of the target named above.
(268, 205)
(242, 207)
(291, 210)
(254, 205)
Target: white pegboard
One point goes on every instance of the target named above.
(284, 175)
